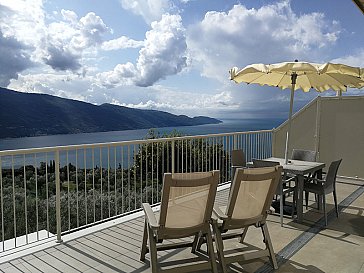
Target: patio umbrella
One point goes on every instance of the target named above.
(301, 75)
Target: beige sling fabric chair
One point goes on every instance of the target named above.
(250, 197)
(185, 210)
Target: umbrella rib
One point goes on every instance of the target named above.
(259, 76)
(280, 80)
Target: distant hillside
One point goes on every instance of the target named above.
(28, 114)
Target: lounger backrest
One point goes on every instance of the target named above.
(251, 194)
(187, 199)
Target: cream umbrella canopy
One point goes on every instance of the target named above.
(301, 75)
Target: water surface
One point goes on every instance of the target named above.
(228, 126)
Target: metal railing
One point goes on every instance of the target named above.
(48, 192)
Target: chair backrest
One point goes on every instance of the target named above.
(304, 155)
(237, 161)
(251, 195)
(238, 158)
(330, 179)
(187, 201)
(259, 163)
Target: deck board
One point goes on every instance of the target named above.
(117, 248)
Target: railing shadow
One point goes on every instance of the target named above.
(347, 223)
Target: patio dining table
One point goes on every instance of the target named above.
(300, 169)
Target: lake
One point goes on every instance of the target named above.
(228, 126)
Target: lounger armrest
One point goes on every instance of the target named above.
(149, 214)
(218, 212)
(237, 166)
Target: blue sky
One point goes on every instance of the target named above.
(171, 55)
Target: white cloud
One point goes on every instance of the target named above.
(62, 45)
(164, 53)
(150, 10)
(66, 42)
(15, 45)
(355, 59)
(121, 43)
(13, 58)
(91, 29)
(63, 85)
(123, 74)
(70, 16)
(22, 19)
(193, 103)
(272, 33)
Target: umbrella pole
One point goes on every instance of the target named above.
(293, 79)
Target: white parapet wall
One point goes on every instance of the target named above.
(333, 126)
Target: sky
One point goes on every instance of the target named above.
(169, 55)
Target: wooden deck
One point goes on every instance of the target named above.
(306, 247)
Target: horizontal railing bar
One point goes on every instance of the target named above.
(119, 143)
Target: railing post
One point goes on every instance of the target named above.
(58, 197)
(235, 140)
(273, 144)
(173, 156)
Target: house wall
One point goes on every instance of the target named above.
(333, 126)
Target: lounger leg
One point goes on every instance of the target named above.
(195, 243)
(211, 252)
(152, 250)
(200, 242)
(336, 206)
(281, 207)
(269, 245)
(219, 246)
(242, 237)
(144, 248)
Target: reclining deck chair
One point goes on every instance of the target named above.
(250, 197)
(185, 210)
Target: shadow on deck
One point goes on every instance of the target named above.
(306, 247)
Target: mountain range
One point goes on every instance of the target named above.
(31, 114)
